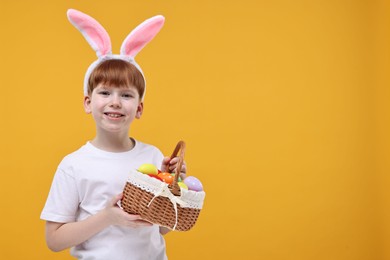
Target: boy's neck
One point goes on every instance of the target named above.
(113, 143)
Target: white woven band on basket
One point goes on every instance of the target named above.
(188, 199)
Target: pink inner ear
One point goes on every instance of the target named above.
(93, 32)
(141, 35)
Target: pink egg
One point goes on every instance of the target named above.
(193, 183)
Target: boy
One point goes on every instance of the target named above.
(81, 210)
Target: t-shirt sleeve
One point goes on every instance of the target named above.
(63, 200)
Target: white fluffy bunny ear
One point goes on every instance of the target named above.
(141, 35)
(93, 32)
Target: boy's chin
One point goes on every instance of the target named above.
(114, 129)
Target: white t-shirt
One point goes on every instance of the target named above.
(83, 184)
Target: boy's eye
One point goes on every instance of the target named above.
(104, 93)
(127, 95)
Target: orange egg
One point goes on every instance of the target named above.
(166, 177)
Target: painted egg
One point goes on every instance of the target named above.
(182, 185)
(193, 183)
(173, 175)
(166, 177)
(148, 168)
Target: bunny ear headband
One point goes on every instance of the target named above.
(99, 40)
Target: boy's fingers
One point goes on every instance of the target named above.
(165, 164)
(174, 160)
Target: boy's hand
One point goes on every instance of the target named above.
(117, 216)
(169, 165)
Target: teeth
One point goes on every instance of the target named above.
(113, 115)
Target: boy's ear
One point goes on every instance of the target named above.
(140, 109)
(87, 104)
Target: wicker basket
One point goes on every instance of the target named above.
(160, 203)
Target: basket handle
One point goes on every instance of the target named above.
(174, 186)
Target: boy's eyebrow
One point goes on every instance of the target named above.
(103, 87)
(115, 87)
(129, 90)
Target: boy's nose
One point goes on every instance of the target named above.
(115, 101)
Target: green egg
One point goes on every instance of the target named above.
(179, 179)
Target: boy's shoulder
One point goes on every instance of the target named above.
(75, 155)
(148, 153)
(141, 146)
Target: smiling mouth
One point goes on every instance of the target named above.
(113, 115)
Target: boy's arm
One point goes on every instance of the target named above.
(60, 236)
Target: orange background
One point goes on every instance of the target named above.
(284, 106)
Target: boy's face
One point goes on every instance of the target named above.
(113, 108)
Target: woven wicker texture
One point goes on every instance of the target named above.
(161, 210)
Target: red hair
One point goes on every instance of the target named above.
(116, 73)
